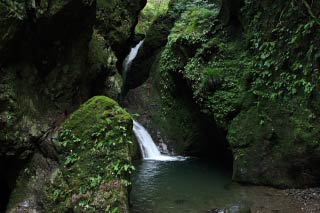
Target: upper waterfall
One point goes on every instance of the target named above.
(128, 60)
(148, 148)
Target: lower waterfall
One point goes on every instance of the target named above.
(148, 148)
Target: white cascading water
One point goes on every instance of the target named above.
(128, 60)
(148, 148)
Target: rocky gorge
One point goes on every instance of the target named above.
(228, 66)
(235, 82)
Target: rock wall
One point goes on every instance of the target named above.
(54, 56)
(260, 95)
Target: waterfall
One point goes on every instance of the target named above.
(148, 148)
(128, 60)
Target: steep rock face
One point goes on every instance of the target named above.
(116, 21)
(176, 119)
(156, 38)
(43, 62)
(260, 95)
(41, 75)
(284, 85)
(52, 60)
(10, 26)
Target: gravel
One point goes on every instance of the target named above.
(310, 198)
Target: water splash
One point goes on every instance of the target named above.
(148, 148)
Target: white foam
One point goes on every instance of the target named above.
(148, 148)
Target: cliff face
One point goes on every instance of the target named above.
(252, 70)
(281, 122)
(43, 70)
(54, 56)
(116, 21)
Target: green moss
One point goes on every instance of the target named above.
(150, 13)
(289, 71)
(274, 144)
(194, 25)
(96, 145)
(101, 59)
(116, 20)
(214, 68)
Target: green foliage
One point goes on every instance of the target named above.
(12, 9)
(150, 13)
(100, 57)
(285, 58)
(194, 25)
(213, 67)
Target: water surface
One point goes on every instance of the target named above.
(198, 186)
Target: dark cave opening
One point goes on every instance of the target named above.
(5, 192)
(213, 145)
(9, 172)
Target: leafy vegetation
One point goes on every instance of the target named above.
(13, 9)
(286, 55)
(150, 13)
(197, 49)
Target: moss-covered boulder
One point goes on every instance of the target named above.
(276, 144)
(96, 146)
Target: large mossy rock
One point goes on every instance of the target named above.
(96, 146)
(184, 75)
(276, 144)
(275, 138)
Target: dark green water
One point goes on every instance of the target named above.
(197, 186)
